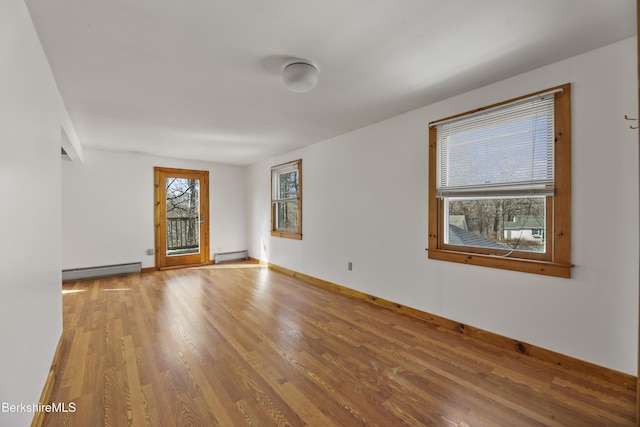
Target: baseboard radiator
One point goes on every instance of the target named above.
(75, 274)
(230, 256)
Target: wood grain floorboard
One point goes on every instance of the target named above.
(241, 345)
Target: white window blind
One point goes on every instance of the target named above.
(500, 152)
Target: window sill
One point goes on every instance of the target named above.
(285, 235)
(515, 264)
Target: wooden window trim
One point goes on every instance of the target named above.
(557, 260)
(287, 234)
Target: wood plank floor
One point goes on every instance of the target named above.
(246, 346)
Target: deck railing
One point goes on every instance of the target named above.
(182, 233)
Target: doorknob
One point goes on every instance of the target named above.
(202, 219)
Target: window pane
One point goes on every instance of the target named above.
(183, 216)
(497, 223)
(288, 185)
(287, 215)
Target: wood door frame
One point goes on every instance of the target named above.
(162, 261)
(638, 344)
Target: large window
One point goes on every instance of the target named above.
(500, 185)
(286, 200)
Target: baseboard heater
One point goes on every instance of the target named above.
(230, 256)
(75, 274)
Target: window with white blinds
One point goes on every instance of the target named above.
(500, 185)
(503, 151)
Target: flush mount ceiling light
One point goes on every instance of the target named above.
(299, 75)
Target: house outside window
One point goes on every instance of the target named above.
(500, 185)
(286, 200)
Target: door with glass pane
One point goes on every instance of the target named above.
(181, 217)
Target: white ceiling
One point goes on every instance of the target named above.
(200, 79)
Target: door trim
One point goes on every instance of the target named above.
(159, 204)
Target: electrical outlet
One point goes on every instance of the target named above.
(349, 266)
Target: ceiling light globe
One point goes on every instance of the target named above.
(300, 77)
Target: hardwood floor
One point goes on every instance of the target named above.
(239, 345)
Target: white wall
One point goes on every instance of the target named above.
(31, 118)
(365, 201)
(107, 208)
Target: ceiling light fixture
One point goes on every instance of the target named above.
(299, 75)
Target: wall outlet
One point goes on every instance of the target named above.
(349, 266)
